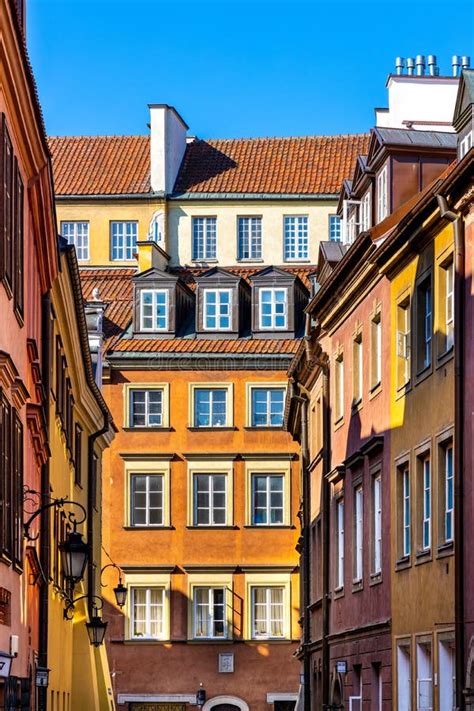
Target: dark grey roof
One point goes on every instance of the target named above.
(408, 137)
(332, 252)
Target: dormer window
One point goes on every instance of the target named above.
(273, 309)
(154, 310)
(382, 194)
(365, 209)
(217, 309)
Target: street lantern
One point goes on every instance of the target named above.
(42, 677)
(201, 695)
(5, 664)
(74, 552)
(96, 630)
(120, 593)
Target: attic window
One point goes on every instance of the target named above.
(154, 310)
(382, 195)
(273, 309)
(217, 309)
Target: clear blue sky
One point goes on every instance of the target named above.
(232, 68)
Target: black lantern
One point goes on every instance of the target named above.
(96, 630)
(5, 664)
(120, 593)
(74, 553)
(201, 696)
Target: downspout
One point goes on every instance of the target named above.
(91, 488)
(459, 267)
(325, 499)
(45, 521)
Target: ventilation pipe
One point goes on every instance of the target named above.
(456, 63)
(420, 65)
(432, 68)
(410, 66)
(465, 62)
(399, 65)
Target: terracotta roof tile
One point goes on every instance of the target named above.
(215, 346)
(111, 165)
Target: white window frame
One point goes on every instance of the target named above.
(295, 238)
(268, 389)
(340, 543)
(449, 305)
(422, 668)
(377, 523)
(427, 503)
(427, 322)
(466, 144)
(154, 293)
(335, 228)
(210, 491)
(339, 387)
(268, 490)
(365, 206)
(358, 369)
(359, 533)
(273, 314)
(268, 605)
(147, 492)
(218, 305)
(208, 249)
(211, 389)
(376, 341)
(123, 246)
(211, 589)
(404, 343)
(406, 511)
(70, 231)
(148, 589)
(382, 194)
(132, 392)
(449, 482)
(249, 238)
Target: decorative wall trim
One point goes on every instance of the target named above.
(233, 700)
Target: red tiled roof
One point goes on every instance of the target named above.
(306, 165)
(100, 165)
(115, 288)
(113, 165)
(188, 274)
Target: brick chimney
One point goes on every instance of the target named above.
(167, 146)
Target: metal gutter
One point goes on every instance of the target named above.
(252, 196)
(116, 196)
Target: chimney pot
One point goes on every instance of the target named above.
(410, 65)
(432, 65)
(455, 62)
(420, 65)
(465, 62)
(399, 65)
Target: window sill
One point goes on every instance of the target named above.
(265, 428)
(338, 593)
(445, 550)
(424, 373)
(357, 586)
(148, 429)
(375, 390)
(356, 407)
(204, 260)
(145, 640)
(213, 527)
(423, 556)
(270, 640)
(303, 260)
(210, 640)
(338, 423)
(249, 260)
(216, 428)
(445, 357)
(402, 390)
(403, 563)
(149, 528)
(375, 579)
(259, 526)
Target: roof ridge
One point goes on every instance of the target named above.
(111, 135)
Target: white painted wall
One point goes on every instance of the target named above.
(179, 227)
(167, 146)
(413, 98)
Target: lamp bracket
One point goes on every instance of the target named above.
(70, 603)
(59, 503)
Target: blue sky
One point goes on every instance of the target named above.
(232, 68)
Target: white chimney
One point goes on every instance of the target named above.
(167, 146)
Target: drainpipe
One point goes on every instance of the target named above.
(45, 520)
(325, 499)
(91, 488)
(459, 265)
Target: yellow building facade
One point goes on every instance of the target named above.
(80, 430)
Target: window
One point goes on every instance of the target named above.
(424, 680)
(447, 675)
(403, 343)
(448, 494)
(359, 533)
(449, 305)
(249, 238)
(334, 228)
(296, 237)
(11, 483)
(78, 454)
(404, 676)
(340, 543)
(147, 606)
(6, 211)
(77, 233)
(267, 499)
(465, 145)
(273, 309)
(217, 309)
(405, 513)
(204, 238)
(425, 324)
(267, 612)
(146, 500)
(123, 240)
(357, 370)
(146, 408)
(209, 499)
(365, 216)
(18, 243)
(153, 310)
(339, 409)
(424, 482)
(209, 612)
(382, 195)
(210, 407)
(376, 348)
(377, 524)
(267, 407)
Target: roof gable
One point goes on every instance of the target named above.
(465, 97)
